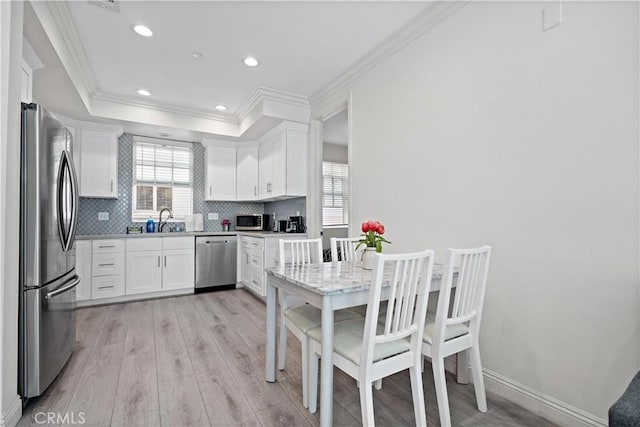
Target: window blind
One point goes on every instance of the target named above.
(335, 199)
(162, 177)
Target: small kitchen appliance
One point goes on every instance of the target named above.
(295, 225)
(257, 222)
(282, 225)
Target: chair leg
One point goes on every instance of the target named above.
(313, 380)
(366, 403)
(283, 342)
(478, 379)
(304, 346)
(417, 392)
(440, 382)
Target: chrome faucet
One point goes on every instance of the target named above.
(161, 223)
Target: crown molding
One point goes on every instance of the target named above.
(434, 14)
(262, 93)
(72, 43)
(137, 102)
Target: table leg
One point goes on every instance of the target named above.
(462, 370)
(326, 384)
(271, 332)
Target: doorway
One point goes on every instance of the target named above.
(334, 194)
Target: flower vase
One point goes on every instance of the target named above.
(368, 258)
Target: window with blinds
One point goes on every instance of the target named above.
(335, 199)
(162, 178)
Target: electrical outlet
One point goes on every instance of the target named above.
(103, 216)
(213, 216)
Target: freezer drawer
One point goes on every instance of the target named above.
(49, 332)
(216, 261)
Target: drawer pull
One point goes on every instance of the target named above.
(105, 287)
(106, 264)
(106, 246)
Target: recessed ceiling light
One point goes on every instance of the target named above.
(197, 55)
(221, 107)
(144, 92)
(142, 30)
(250, 61)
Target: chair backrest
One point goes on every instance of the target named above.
(300, 251)
(344, 248)
(409, 279)
(472, 268)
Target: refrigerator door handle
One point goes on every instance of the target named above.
(60, 205)
(75, 200)
(74, 282)
(66, 169)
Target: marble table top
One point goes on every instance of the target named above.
(336, 277)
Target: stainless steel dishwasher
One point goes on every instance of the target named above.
(216, 262)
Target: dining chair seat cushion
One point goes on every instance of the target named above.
(362, 309)
(453, 331)
(306, 317)
(347, 339)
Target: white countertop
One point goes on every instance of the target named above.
(264, 234)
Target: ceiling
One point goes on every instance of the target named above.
(301, 46)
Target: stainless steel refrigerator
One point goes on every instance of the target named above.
(48, 219)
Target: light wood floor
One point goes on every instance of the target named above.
(199, 360)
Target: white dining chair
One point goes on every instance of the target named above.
(295, 315)
(369, 350)
(456, 326)
(344, 248)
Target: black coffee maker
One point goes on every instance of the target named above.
(295, 224)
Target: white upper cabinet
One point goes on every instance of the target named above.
(247, 171)
(282, 162)
(220, 176)
(98, 164)
(264, 170)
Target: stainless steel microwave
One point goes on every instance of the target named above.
(258, 222)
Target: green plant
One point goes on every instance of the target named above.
(372, 237)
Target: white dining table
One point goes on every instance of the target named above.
(329, 286)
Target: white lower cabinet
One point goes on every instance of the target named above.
(159, 264)
(259, 253)
(83, 269)
(144, 273)
(107, 268)
(178, 268)
(107, 286)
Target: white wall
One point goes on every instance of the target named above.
(10, 81)
(489, 130)
(335, 153)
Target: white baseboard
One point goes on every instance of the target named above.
(539, 403)
(11, 417)
(135, 297)
(532, 400)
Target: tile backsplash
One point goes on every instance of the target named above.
(285, 208)
(120, 209)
